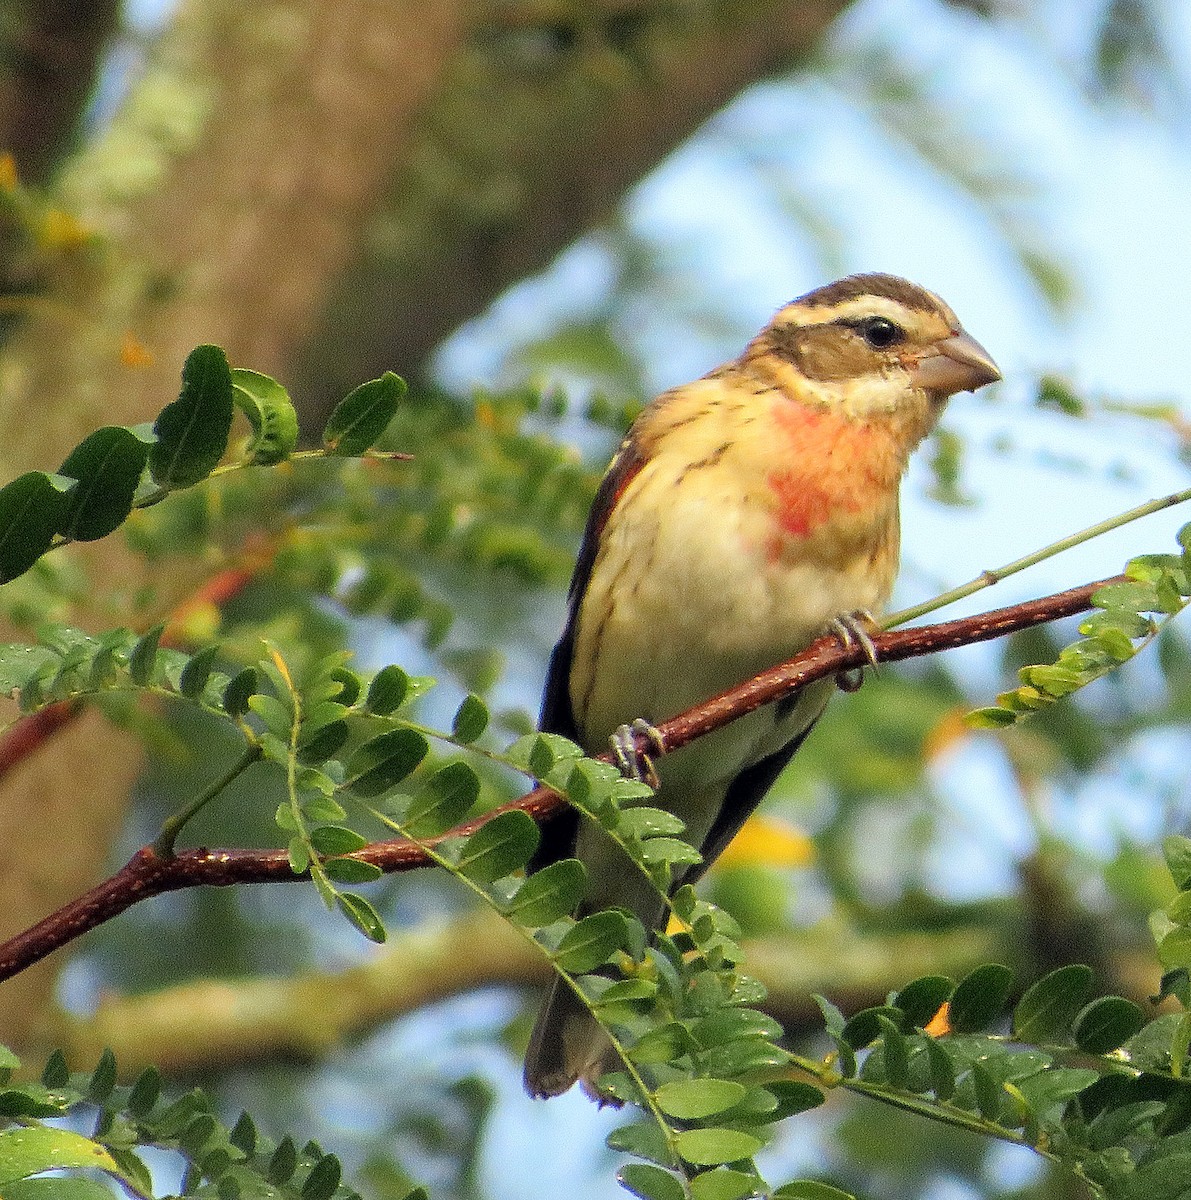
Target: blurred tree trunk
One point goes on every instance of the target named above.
(325, 190)
(50, 51)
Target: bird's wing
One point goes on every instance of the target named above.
(557, 715)
(744, 793)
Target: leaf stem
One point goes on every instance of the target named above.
(995, 575)
(163, 844)
(155, 495)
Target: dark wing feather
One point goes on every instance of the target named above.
(744, 793)
(557, 716)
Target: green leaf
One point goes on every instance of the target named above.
(335, 839)
(388, 690)
(695, 1099)
(895, 1056)
(1052, 1088)
(57, 1187)
(552, 892)
(443, 802)
(296, 851)
(590, 942)
(833, 1020)
(1177, 852)
(648, 822)
(502, 845)
(1112, 1126)
(270, 412)
(725, 1184)
(322, 807)
(810, 1189)
(276, 716)
(385, 760)
(25, 1152)
(749, 1056)
(349, 686)
(663, 1044)
(1174, 950)
(1106, 1024)
(979, 998)
(318, 745)
(629, 989)
(323, 1179)
(1163, 1179)
(240, 689)
(108, 466)
(56, 1073)
(865, 1026)
(1133, 596)
(32, 509)
(471, 719)
(642, 1138)
(793, 1096)
(727, 1024)
(192, 432)
(922, 999)
(243, 1134)
(363, 415)
(670, 851)
(103, 1078)
(941, 1069)
(990, 718)
(711, 1147)
(143, 657)
(650, 1182)
(1045, 1012)
(988, 1091)
(197, 671)
(283, 1162)
(351, 870)
(31, 1100)
(145, 1092)
(362, 915)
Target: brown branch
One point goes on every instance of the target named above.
(150, 874)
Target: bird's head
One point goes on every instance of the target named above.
(871, 343)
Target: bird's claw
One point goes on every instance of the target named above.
(633, 763)
(852, 629)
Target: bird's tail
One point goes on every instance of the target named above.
(566, 1044)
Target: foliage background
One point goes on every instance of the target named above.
(489, 196)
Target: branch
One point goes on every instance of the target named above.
(149, 873)
(204, 1025)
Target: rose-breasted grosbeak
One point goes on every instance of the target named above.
(743, 515)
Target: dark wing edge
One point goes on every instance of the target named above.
(744, 793)
(557, 716)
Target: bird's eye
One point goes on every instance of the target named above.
(880, 332)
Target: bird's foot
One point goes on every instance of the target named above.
(633, 763)
(852, 629)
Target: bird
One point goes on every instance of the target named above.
(744, 515)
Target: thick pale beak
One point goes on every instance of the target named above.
(956, 364)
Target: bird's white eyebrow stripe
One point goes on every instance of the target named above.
(857, 309)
